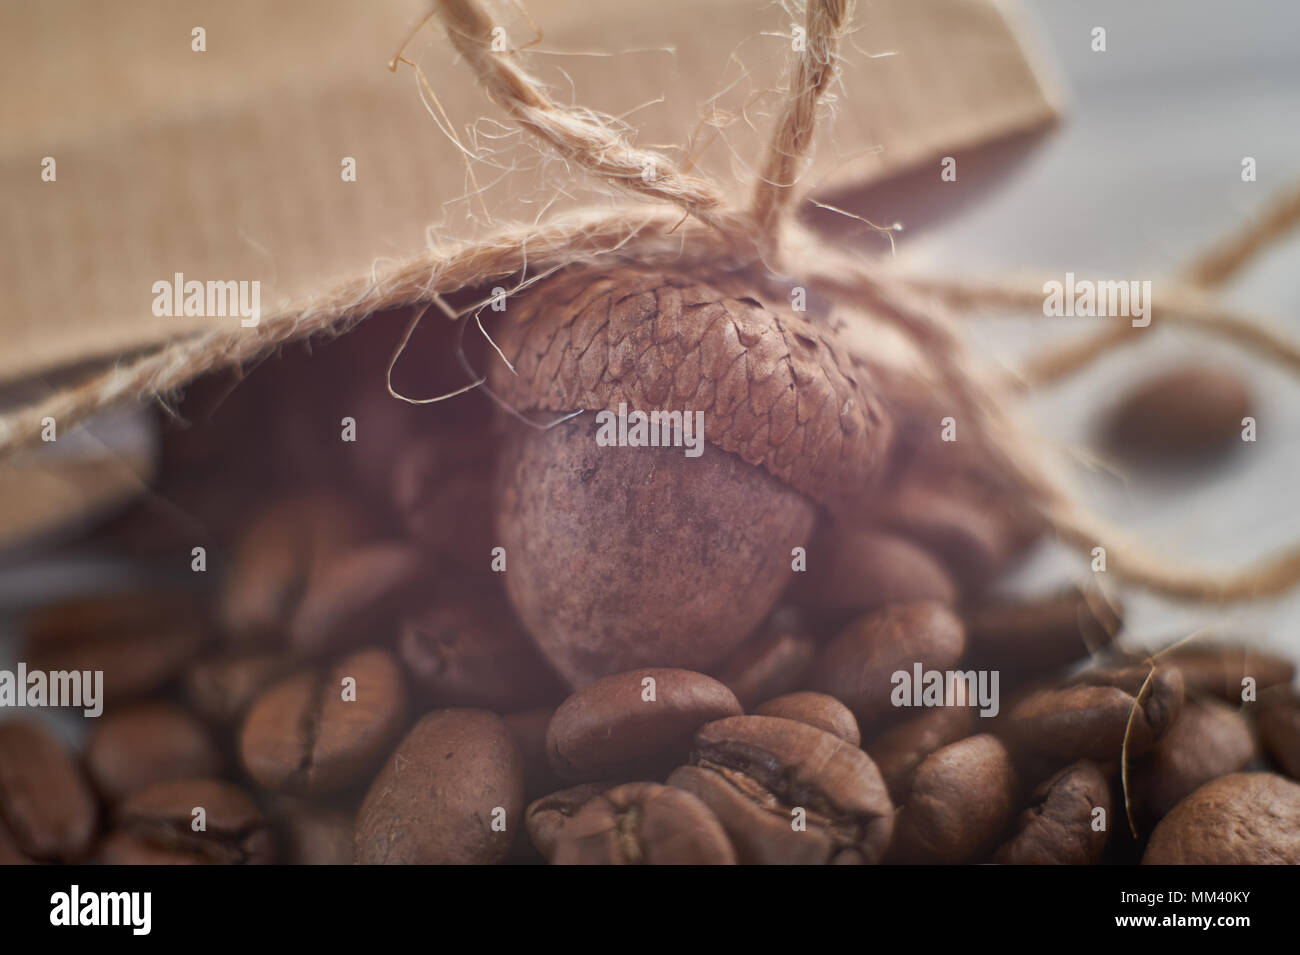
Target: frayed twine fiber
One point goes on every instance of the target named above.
(700, 231)
(1182, 301)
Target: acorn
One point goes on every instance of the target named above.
(631, 538)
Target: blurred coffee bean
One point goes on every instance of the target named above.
(385, 427)
(321, 731)
(529, 731)
(221, 688)
(306, 405)
(201, 488)
(789, 793)
(856, 667)
(1024, 638)
(857, 570)
(974, 542)
(1279, 730)
(278, 553)
(1061, 825)
(1186, 412)
(545, 817)
(163, 818)
(772, 663)
(925, 456)
(1221, 670)
(1207, 740)
(467, 649)
(120, 847)
(350, 376)
(452, 793)
(442, 488)
(310, 389)
(140, 641)
(146, 743)
(1089, 718)
(639, 721)
(643, 824)
(815, 709)
(310, 834)
(10, 852)
(1240, 819)
(898, 752)
(962, 799)
(357, 597)
(124, 610)
(46, 805)
(1021, 524)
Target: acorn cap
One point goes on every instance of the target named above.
(776, 389)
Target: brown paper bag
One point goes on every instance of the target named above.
(155, 142)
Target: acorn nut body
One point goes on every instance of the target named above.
(626, 551)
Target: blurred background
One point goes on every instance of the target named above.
(1144, 173)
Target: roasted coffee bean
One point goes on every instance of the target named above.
(1039, 636)
(775, 662)
(1279, 730)
(546, 816)
(310, 834)
(973, 541)
(163, 818)
(1090, 719)
(321, 731)
(441, 797)
(815, 709)
(962, 799)
(857, 666)
(1061, 825)
(789, 793)
(221, 688)
(643, 824)
(857, 570)
(1221, 670)
(140, 641)
(639, 721)
(1240, 819)
(147, 743)
(528, 728)
(279, 552)
(45, 803)
(470, 651)
(1187, 412)
(1207, 740)
(442, 488)
(898, 751)
(357, 597)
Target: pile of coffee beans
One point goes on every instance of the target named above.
(392, 723)
(355, 687)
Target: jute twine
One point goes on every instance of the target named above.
(689, 224)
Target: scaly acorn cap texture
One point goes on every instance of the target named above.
(776, 389)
